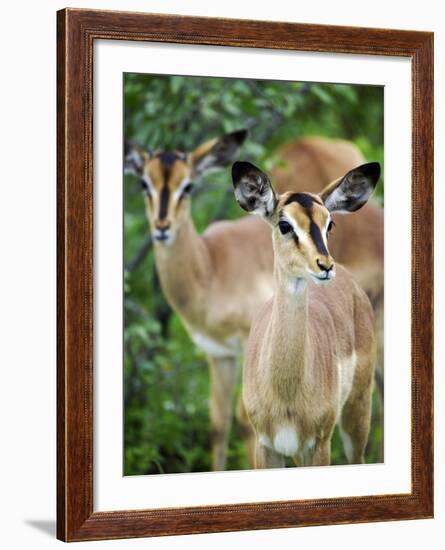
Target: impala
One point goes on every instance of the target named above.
(309, 164)
(213, 281)
(311, 351)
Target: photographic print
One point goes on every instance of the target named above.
(253, 274)
(220, 304)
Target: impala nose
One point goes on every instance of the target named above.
(327, 269)
(324, 267)
(162, 232)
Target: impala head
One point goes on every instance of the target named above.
(302, 221)
(168, 178)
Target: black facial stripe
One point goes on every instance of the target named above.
(165, 195)
(304, 199)
(168, 158)
(315, 233)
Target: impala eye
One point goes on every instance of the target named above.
(284, 227)
(330, 226)
(188, 188)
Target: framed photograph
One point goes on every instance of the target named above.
(245, 263)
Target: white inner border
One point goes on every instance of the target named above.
(112, 491)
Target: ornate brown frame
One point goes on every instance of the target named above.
(76, 32)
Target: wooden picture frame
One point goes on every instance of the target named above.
(76, 32)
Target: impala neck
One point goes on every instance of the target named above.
(288, 331)
(184, 268)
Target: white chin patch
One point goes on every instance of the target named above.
(167, 241)
(325, 280)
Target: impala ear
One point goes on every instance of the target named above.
(352, 191)
(253, 189)
(217, 153)
(134, 159)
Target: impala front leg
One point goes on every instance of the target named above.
(223, 376)
(247, 431)
(267, 458)
(322, 453)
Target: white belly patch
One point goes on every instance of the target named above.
(285, 441)
(229, 348)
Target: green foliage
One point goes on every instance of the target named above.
(166, 376)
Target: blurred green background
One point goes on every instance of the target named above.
(166, 379)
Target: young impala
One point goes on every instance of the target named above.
(213, 281)
(309, 164)
(311, 351)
